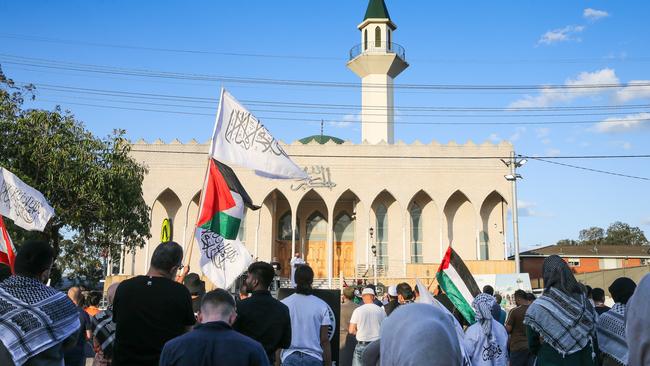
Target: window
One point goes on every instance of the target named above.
(573, 262)
(344, 228)
(381, 240)
(316, 227)
(365, 39)
(416, 233)
(284, 227)
(377, 37)
(242, 228)
(484, 241)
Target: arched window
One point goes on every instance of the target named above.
(389, 39)
(344, 228)
(316, 227)
(242, 227)
(416, 233)
(365, 39)
(377, 36)
(382, 235)
(284, 227)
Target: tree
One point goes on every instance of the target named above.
(566, 242)
(93, 183)
(620, 233)
(593, 235)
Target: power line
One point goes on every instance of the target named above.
(303, 57)
(344, 121)
(45, 63)
(302, 105)
(590, 169)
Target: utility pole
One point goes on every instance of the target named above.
(513, 164)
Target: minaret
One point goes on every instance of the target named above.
(377, 61)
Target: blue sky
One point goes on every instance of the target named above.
(495, 43)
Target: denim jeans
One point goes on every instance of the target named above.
(522, 358)
(357, 359)
(301, 359)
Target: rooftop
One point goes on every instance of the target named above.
(590, 251)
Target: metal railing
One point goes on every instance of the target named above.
(371, 47)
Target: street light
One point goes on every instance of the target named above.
(513, 164)
(373, 249)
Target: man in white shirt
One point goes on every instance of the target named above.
(365, 323)
(310, 320)
(295, 262)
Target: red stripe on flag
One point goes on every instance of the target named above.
(10, 256)
(217, 195)
(445, 261)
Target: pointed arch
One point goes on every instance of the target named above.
(346, 233)
(460, 216)
(424, 228)
(377, 36)
(274, 226)
(313, 212)
(166, 206)
(387, 225)
(492, 234)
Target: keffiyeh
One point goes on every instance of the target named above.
(482, 305)
(562, 315)
(34, 317)
(611, 333)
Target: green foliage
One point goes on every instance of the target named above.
(618, 233)
(93, 184)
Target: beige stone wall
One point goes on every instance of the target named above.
(459, 197)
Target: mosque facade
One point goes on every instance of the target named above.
(378, 206)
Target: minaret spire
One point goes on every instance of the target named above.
(377, 61)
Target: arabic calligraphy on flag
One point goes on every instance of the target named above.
(23, 204)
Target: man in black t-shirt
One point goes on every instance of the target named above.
(150, 310)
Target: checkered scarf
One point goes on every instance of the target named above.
(33, 317)
(611, 333)
(104, 331)
(562, 315)
(482, 305)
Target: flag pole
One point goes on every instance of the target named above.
(205, 180)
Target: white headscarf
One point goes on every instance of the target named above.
(419, 334)
(638, 323)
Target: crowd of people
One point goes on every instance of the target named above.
(164, 319)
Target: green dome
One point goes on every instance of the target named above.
(321, 139)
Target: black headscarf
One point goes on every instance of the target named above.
(558, 274)
(622, 289)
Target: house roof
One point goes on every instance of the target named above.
(590, 251)
(377, 9)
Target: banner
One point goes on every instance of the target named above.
(240, 139)
(23, 204)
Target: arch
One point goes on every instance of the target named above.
(312, 212)
(346, 210)
(387, 224)
(461, 225)
(365, 39)
(274, 229)
(492, 235)
(424, 233)
(377, 36)
(166, 205)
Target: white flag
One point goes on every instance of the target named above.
(23, 204)
(240, 139)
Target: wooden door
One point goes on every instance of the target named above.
(316, 257)
(344, 259)
(283, 252)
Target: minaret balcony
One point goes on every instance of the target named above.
(378, 48)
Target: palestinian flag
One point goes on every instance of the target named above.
(458, 283)
(223, 256)
(7, 250)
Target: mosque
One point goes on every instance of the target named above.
(379, 206)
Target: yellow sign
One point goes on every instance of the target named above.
(166, 231)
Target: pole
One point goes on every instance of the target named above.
(374, 269)
(515, 213)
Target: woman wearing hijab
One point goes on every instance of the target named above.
(561, 324)
(638, 323)
(415, 335)
(486, 341)
(611, 324)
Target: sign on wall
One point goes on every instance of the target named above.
(319, 177)
(166, 233)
